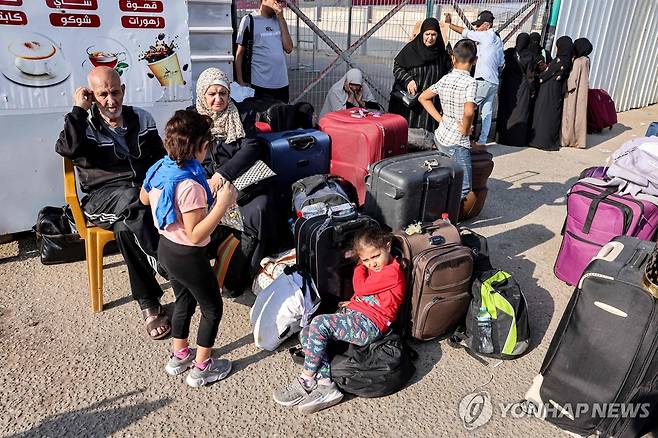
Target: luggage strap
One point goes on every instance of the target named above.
(595, 205)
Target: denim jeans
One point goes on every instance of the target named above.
(484, 97)
(462, 156)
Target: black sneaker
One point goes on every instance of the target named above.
(230, 293)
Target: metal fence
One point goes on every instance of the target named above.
(376, 30)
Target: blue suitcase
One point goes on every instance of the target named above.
(296, 154)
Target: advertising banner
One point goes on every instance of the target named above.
(47, 48)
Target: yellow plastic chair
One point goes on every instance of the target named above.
(95, 238)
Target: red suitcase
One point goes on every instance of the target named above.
(359, 138)
(601, 111)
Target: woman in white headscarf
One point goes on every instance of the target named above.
(231, 154)
(349, 92)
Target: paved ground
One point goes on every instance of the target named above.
(66, 372)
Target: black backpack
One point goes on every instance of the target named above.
(380, 368)
(248, 44)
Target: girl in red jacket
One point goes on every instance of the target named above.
(379, 287)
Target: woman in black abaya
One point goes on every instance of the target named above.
(536, 48)
(421, 63)
(517, 88)
(547, 117)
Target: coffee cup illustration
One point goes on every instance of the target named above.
(167, 70)
(34, 56)
(104, 58)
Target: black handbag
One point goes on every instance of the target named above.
(58, 240)
(408, 100)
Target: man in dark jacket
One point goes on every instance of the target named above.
(112, 146)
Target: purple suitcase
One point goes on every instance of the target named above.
(595, 215)
(598, 172)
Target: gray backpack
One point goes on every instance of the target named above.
(328, 189)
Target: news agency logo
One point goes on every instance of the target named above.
(572, 411)
(476, 410)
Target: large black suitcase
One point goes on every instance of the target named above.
(324, 247)
(600, 373)
(413, 187)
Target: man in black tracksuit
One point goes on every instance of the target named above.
(112, 146)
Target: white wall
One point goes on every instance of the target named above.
(31, 174)
(625, 57)
(30, 170)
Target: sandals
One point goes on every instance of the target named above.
(161, 320)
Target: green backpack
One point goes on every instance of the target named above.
(501, 295)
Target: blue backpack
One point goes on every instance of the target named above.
(653, 129)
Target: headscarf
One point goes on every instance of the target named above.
(524, 55)
(582, 47)
(226, 124)
(522, 42)
(337, 96)
(564, 46)
(416, 54)
(165, 175)
(535, 44)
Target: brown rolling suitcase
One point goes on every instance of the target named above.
(439, 286)
(482, 163)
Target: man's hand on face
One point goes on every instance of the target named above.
(83, 98)
(276, 6)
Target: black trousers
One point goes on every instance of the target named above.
(282, 94)
(193, 282)
(117, 208)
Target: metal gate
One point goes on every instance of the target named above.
(331, 36)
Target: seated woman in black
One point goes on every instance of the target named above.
(233, 152)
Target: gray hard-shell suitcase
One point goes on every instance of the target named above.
(413, 187)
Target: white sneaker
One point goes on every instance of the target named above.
(321, 397)
(216, 370)
(177, 366)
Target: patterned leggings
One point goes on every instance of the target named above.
(344, 325)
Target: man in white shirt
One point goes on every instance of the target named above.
(487, 69)
(271, 42)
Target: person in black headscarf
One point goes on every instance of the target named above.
(535, 47)
(547, 117)
(574, 113)
(517, 88)
(420, 64)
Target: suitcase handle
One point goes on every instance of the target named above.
(301, 143)
(348, 226)
(396, 194)
(302, 163)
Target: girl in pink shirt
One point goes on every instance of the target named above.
(182, 204)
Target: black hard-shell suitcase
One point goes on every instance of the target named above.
(324, 247)
(603, 357)
(413, 187)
